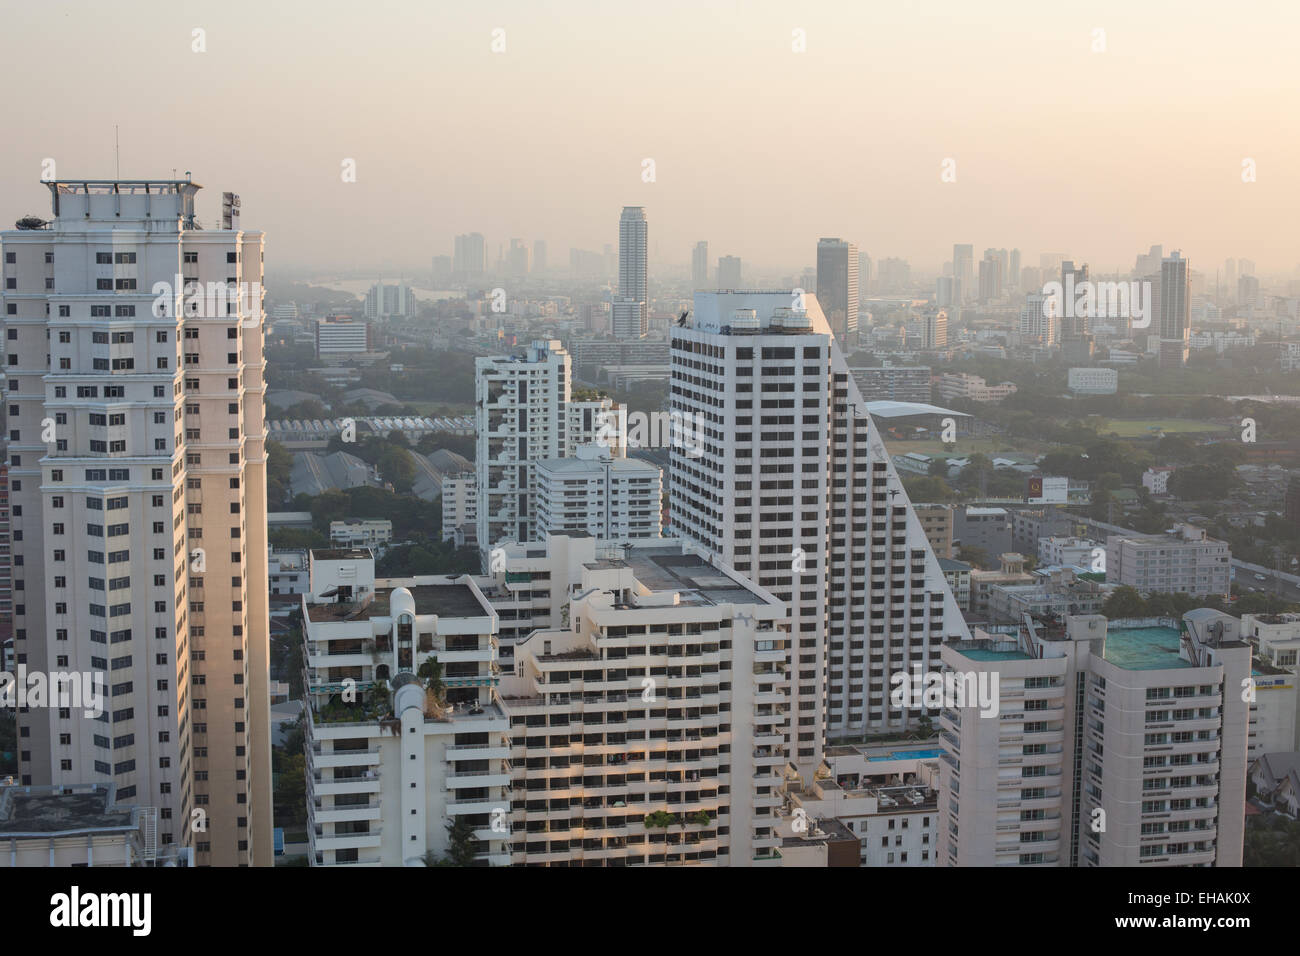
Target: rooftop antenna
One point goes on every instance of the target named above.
(117, 154)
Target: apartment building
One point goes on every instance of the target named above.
(793, 487)
(884, 796)
(936, 523)
(137, 477)
(650, 727)
(893, 383)
(1070, 552)
(393, 756)
(460, 508)
(646, 727)
(525, 414)
(1182, 561)
(521, 418)
(1106, 745)
(597, 494)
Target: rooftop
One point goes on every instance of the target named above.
(445, 600)
(1144, 648)
(31, 810)
(340, 554)
(698, 581)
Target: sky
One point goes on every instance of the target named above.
(757, 148)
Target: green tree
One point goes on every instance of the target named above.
(1124, 602)
(463, 846)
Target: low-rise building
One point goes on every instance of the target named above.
(1184, 560)
(85, 825)
(361, 532)
(1093, 381)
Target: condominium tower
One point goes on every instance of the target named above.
(138, 483)
(837, 286)
(633, 281)
(794, 488)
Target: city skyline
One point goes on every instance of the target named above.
(334, 101)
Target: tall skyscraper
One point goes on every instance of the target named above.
(1013, 269)
(1175, 311)
(633, 281)
(517, 259)
(539, 255)
(138, 481)
(729, 273)
(864, 274)
(990, 279)
(837, 286)
(700, 265)
(469, 255)
(794, 489)
(963, 268)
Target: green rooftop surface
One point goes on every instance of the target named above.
(1143, 648)
(985, 654)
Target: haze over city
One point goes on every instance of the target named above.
(1058, 145)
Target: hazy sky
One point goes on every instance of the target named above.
(758, 149)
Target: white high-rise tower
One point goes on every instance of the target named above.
(795, 489)
(138, 483)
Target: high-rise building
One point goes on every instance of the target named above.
(896, 276)
(675, 756)
(947, 292)
(539, 255)
(1149, 264)
(520, 418)
(633, 277)
(963, 268)
(1039, 322)
(390, 301)
(469, 255)
(1097, 744)
(1174, 315)
(628, 318)
(525, 414)
(729, 273)
(990, 280)
(893, 383)
(137, 475)
(934, 329)
(837, 286)
(1247, 292)
(1013, 270)
(864, 274)
(773, 393)
(518, 261)
(700, 265)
